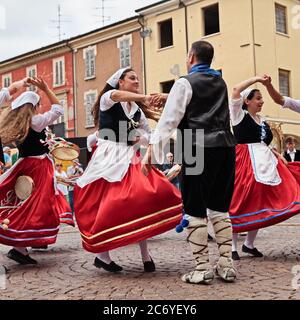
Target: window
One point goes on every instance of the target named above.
(281, 22)
(124, 43)
(59, 72)
(89, 55)
(64, 117)
(6, 80)
(89, 101)
(31, 72)
(211, 19)
(166, 86)
(166, 33)
(284, 82)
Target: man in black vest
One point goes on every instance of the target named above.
(198, 106)
(291, 154)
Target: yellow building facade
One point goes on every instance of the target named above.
(250, 37)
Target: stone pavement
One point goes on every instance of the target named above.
(66, 271)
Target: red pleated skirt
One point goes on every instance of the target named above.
(36, 221)
(294, 168)
(255, 205)
(114, 214)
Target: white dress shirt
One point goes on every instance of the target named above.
(291, 104)
(179, 98)
(292, 154)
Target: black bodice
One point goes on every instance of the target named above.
(248, 131)
(115, 126)
(32, 146)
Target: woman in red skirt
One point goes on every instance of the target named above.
(115, 204)
(265, 191)
(35, 221)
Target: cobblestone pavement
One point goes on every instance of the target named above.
(66, 271)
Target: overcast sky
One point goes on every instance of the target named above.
(26, 25)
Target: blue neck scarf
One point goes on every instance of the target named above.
(204, 68)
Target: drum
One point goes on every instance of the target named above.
(24, 187)
(64, 150)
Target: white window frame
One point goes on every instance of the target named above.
(121, 40)
(87, 74)
(88, 113)
(65, 117)
(29, 74)
(280, 6)
(4, 77)
(63, 76)
(287, 73)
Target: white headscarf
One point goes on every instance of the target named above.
(245, 93)
(25, 97)
(114, 79)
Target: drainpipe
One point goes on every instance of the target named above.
(253, 38)
(183, 5)
(74, 89)
(141, 23)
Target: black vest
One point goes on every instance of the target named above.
(114, 119)
(208, 110)
(248, 131)
(32, 145)
(288, 157)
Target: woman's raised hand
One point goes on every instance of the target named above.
(38, 82)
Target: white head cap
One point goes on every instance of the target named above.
(245, 93)
(25, 97)
(114, 79)
(6, 149)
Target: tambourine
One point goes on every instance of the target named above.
(24, 187)
(66, 151)
(173, 172)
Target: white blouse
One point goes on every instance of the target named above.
(41, 121)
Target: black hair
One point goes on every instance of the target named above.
(250, 97)
(203, 51)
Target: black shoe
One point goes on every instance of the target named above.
(111, 267)
(209, 237)
(235, 255)
(20, 257)
(253, 251)
(149, 266)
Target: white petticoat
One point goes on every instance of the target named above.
(264, 164)
(110, 161)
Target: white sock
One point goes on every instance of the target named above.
(22, 250)
(105, 257)
(234, 241)
(251, 235)
(144, 251)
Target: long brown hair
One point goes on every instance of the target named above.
(15, 124)
(151, 114)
